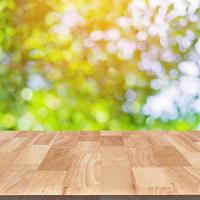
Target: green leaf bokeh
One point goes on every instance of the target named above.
(74, 65)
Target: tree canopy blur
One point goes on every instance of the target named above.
(99, 64)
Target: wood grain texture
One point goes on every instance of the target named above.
(100, 163)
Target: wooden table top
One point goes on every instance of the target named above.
(99, 163)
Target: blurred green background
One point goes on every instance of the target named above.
(99, 64)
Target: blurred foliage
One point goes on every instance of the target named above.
(60, 70)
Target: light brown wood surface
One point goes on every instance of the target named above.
(99, 163)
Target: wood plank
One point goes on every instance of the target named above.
(99, 163)
(151, 177)
(14, 182)
(12, 145)
(185, 179)
(116, 177)
(64, 140)
(141, 152)
(89, 136)
(112, 141)
(7, 135)
(183, 143)
(156, 191)
(46, 182)
(32, 155)
(87, 147)
(45, 139)
(194, 135)
(169, 156)
(84, 175)
(159, 140)
(57, 159)
(193, 158)
(118, 180)
(7, 160)
(114, 156)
